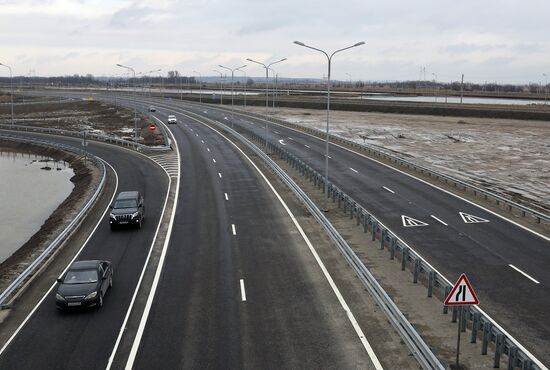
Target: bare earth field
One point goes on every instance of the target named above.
(505, 156)
(79, 115)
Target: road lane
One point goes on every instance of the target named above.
(85, 339)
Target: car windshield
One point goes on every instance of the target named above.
(126, 203)
(80, 277)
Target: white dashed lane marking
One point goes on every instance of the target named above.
(435, 218)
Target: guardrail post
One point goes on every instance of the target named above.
(431, 276)
(464, 318)
(352, 207)
(339, 200)
(487, 326)
(359, 215)
(475, 326)
(416, 268)
(365, 223)
(455, 314)
(498, 350)
(447, 292)
(526, 364)
(373, 231)
(404, 254)
(382, 238)
(392, 248)
(512, 356)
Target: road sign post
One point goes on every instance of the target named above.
(461, 295)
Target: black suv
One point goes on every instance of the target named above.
(128, 210)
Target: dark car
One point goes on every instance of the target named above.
(128, 210)
(84, 284)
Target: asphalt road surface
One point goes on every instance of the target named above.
(506, 263)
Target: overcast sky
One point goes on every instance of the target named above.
(487, 40)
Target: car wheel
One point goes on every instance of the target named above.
(139, 223)
(100, 303)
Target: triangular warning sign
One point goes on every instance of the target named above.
(462, 293)
(411, 222)
(471, 219)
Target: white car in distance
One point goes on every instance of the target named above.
(172, 119)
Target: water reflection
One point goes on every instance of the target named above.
(31, 188)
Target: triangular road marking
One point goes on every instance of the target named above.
(471, 219)
(411, 222)
(462, 293)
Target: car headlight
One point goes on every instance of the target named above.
(135, 214)
(92, 295)
(112, 215)
(59, 297)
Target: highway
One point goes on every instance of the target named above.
(239, 287)
(51, 339)
(506, 263)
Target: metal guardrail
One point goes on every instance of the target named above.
(472, 316)
(90, 136)
(34, 265)
(410, 336)
(385, 154)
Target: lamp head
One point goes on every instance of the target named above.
(360, 43)
(299, 43)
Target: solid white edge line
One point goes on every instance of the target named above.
(327, 275)
(152, 291)
(233, 229)
(354, 170)
(226, 197)
(437, 219)
(515, 341)
(8, 342)
(134, 296)
(524, 274)
(388, 189)
(243, 292)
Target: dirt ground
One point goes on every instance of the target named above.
(504, 156)
(79, 115)
(85, 179)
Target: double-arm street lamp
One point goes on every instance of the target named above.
(232, 75)
(135, 101)
(266, 93)
(329, 59)
(11, 89)
(200, 86)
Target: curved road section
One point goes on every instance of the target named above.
(51, 339)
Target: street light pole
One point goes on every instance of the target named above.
(200, 86)
(545, 88)
(244, 87)
(11, 89)
(266, 94)
(221, 86)
(232, 75)
(435, 85)
(329, 59)
(135, 102)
